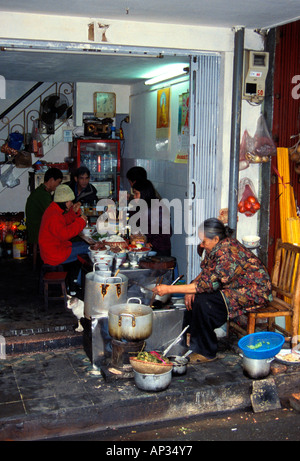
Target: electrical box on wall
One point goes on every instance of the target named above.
(256, 66)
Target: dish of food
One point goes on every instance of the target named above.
(288, 356)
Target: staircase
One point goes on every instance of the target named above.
(35, 332)
(20, 116)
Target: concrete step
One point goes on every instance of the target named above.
(42, 342)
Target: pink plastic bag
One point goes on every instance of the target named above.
(264, 145)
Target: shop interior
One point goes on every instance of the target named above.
(123, 78)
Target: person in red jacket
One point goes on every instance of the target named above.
(61, 221)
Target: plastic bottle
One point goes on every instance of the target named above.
(88, 163)
(113, 132)
(109, 162)
(104, 162)
(94, 165)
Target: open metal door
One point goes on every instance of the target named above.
(203, 154)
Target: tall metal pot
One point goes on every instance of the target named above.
(257, 368)
(103, 291)
(130, 321)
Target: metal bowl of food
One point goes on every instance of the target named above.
(136, 255)
(179, 364)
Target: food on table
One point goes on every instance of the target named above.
(291, 357)
(115, 241)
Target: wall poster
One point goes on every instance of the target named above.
(183, 129)
(162, 118)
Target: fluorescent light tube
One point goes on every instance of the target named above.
(167, 76)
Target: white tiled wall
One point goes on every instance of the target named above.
(170, 180)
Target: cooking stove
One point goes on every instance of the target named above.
(118, 365)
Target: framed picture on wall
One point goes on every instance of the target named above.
(163, 108)
(163, 116)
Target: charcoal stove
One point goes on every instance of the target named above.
(129, 324)
(118, 365)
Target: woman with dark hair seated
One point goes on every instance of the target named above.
(153, 218)
(232, 281)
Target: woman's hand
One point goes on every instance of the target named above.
(76, 207)
(161, 290)
(85, 218)
(188, 300)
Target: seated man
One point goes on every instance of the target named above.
(83, 190)
(38, 201)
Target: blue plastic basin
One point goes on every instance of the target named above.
(262, 345)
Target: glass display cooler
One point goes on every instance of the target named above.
(102, 158)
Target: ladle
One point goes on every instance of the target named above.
(176, 280)
(176, 340)
(187, 353)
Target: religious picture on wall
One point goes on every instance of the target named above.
(183, 129)
(163, 119)
(163, 103)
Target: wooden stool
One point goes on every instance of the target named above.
(55, 278)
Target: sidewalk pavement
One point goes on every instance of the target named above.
(58, 393)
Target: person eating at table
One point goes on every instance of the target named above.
(136, 174)
(83, 190)
(232, 281)
(61, 222)
(38, 201)
(154, 217)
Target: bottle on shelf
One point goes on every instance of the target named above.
(110, 161)
(104, 163)
(94, 164)
(99, 164)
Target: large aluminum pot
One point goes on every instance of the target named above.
(102, 291)
(130, 321)
(150, 382)
(257, 368)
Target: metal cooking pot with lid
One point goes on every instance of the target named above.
(130, 321)
(103, 291)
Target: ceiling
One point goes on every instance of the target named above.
(216, 13)
(255, 14)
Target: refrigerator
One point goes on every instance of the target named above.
(102, 158)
